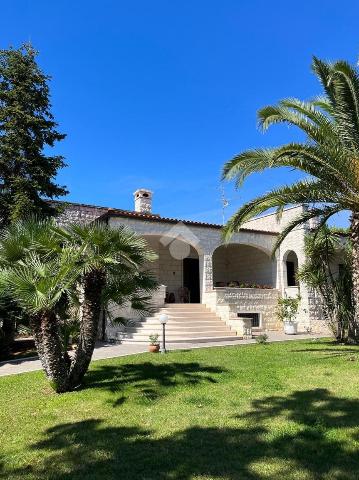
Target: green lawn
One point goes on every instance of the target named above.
(278, 411)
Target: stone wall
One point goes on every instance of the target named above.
(79, 213)
(317, 323)
(228, 302)
(271, 223)
(114, 330)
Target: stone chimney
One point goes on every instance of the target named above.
(143, 200)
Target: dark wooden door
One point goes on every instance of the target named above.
(191, 278)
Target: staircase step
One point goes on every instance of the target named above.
(188, 315)
(184, 305)
(179, 330)
(179, 323)
(173, 336)
(186, 322)
(184, 308)
(188, 340)
(180, 312)
(193, 318)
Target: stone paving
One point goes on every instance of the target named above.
(106, 350)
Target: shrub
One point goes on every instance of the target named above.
(154, 339)
(262, 339)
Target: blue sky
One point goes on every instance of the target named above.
(160, 94)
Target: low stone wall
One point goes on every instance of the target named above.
(228, 302)
(113, 330)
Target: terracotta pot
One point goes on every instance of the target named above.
(154, 348)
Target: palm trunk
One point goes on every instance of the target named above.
(353, 334)
(54, 359)
(7, 336)
(90, 313)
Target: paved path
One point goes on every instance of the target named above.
(107, 350)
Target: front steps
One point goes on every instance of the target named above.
(187, 323)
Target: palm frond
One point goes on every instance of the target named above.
(345, 82)
(324, 104)
(323, 71)
(324, 162)
(307, 191)
(303, 115)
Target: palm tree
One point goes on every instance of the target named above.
(56, 274)
(329, 156)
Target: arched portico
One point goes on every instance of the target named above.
(242, 265)
(177, 267)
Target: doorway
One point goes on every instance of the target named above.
(191, 278)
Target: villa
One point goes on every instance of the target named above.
(207, 287)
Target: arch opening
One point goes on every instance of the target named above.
(176, 267)
(239, 265)
(291, 269)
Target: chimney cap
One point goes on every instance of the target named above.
(143, 190)
(143, 200)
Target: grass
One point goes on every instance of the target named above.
(285, 410)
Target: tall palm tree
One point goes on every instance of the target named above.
(330, 157)
(56, 273)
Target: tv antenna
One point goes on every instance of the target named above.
(224, 202)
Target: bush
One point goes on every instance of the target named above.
(262, 339)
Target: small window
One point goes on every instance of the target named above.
(254, 316)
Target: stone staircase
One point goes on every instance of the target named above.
(187, 322)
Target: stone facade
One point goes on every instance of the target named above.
(245, 261)
(79, 213)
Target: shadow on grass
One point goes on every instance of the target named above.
(329, 352)
(312, 450)
(150, 380)
(310, 408)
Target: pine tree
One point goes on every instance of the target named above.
(27, 129)
(27, 173)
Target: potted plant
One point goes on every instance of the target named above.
(286, 311)
(154, 345)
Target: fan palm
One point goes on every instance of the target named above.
(54, 273)
(329, 156)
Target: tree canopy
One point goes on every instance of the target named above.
(27, 132)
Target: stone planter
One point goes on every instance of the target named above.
(290, 328)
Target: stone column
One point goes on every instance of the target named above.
(279, 281)
(208, 272)
(205, 274)
(201, 276)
